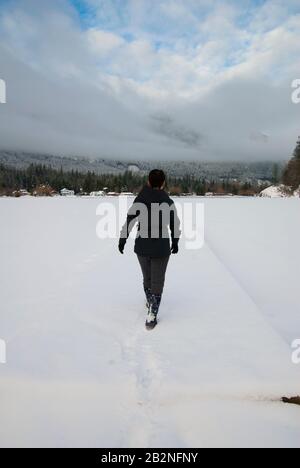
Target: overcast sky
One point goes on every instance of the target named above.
(150, 79)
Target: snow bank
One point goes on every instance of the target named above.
(274, 191)
(279, 191)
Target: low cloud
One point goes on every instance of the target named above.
(122, 86)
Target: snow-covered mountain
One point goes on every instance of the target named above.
(258, 171)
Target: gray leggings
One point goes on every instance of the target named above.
(154, 273)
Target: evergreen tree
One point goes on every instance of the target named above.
(297, 151)
(291, 175)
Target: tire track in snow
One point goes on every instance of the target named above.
(245, 291)
(240, 284)
(214, 251)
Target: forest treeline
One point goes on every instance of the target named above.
(44, 180)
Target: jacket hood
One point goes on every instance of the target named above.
(150, 195)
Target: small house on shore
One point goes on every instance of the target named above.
(67, 193)
(100, 193)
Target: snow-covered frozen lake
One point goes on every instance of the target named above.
(81, 369)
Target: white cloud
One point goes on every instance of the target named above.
(206, 70)
(178, 11)
(103, 42)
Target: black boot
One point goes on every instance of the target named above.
(151, 321)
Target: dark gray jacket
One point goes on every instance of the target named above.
(157, 217)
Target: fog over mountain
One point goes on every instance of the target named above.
(182, 80)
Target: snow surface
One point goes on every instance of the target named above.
(81, 369)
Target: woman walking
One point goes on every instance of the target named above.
(157, 217)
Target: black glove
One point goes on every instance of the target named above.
(122, 243)
(174, 248)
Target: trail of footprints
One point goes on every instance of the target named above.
(146, 421)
